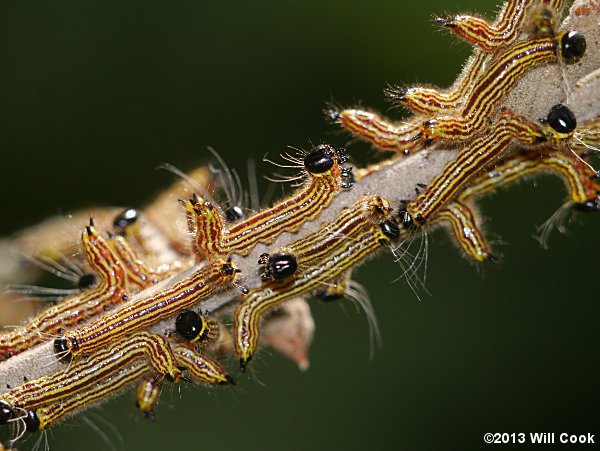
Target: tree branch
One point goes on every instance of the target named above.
(535, 94)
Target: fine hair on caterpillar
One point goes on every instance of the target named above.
(279, 255)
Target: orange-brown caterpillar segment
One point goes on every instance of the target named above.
(146, 396)
(580, 179)
(147, 310)
(165, 212)
(384, 135)
(463, 224)
(323, 164)
(110, 291)
(80, 375)
(433, 101)
(314, 247)
(482, 102)
(338, 261)
(137, 273)
(470, 161)
(510, 23)
(504, 71)
(43, 417)
(201, 367)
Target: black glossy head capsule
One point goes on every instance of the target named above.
(6, 412)
(32, 422)
(390, 229)
(234, 214)
(87, 281)
(229, 269)
(62, 350)
(561, 119)
(406, 219)
(190, 325)
(320, 159)
(125, 219)
(588, 206)
(572, 47)
(281, 266)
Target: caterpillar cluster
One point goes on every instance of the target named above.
(163, 264)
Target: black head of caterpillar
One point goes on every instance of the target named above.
(196, 328)
(278, 266)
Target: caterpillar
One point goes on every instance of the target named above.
(327, 178)
(128, 319)
(340, 258)
(312, 254)
(481, 103)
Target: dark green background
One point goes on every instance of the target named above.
(95, 94)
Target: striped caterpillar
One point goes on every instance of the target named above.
(274, 247)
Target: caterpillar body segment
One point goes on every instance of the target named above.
(148, 348)
(470, 161)
(463, 225)
(146, 396)
(398, 137)
(503, 73)
(41, 418)
(581, 181)
(586, 139)
(315, 247)
(512, 20)
(486, 36)
(165, 212)
(200, 367)
(580, 178)
(338, 261)
(137, 273)
(147, 310)
(431, 101)
(111, 290)
(470, 118)
(327, 178)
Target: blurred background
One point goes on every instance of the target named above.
(95, 95)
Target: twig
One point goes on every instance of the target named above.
(535, 94)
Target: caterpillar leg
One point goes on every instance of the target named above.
(110, 291)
